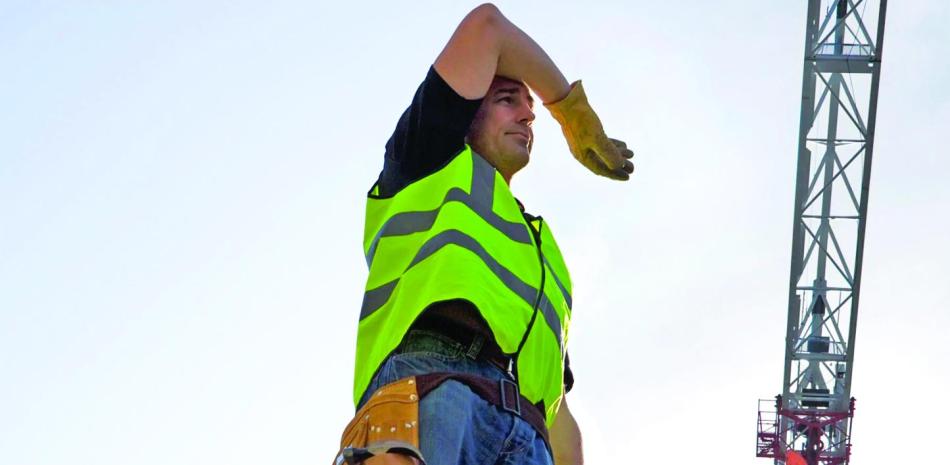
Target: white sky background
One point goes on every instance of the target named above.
(181, 194)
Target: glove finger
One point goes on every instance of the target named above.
(609, 153)
(594, 163)
(623, 172)
(628, 167)
(624, 151)
(597, 166)
(619, 143)
(619, 174)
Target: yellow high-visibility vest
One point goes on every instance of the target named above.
(459, 233)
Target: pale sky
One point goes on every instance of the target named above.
(181, 196)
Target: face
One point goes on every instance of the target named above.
(501, 131)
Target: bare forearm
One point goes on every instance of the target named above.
(522, 58)
(485, 44)
(566, 438)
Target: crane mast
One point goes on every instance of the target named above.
(810, 422)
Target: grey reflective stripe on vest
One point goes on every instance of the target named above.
(550, 317)
(560, 285)
(480, 200)
(374, 299)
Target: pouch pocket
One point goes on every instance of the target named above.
(388, 422)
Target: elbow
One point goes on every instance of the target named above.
(486, 10)
(483, 25)
(486, 15)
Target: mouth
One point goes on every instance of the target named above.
(523, 135)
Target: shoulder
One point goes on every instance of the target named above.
(429, 132)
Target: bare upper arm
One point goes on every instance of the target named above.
(470, 58)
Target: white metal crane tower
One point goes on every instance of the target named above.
(811, 419)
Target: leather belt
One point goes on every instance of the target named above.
(501, 393)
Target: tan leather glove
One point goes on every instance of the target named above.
(586, 139)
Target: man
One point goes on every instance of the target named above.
(461, 346)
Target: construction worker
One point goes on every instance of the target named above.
(461, 343)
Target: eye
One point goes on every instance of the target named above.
(506, 99)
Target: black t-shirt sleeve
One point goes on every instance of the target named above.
(428, 133)
(568, 374)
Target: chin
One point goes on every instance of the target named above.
(519, 152)
(521, 160)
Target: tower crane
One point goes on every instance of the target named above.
(810, 421)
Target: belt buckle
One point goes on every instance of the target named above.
(505, 404)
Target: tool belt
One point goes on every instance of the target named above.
(389, 421)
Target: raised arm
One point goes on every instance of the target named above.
(486, 44)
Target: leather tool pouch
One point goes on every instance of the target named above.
(388, 422)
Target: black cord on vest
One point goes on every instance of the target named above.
(537, 302)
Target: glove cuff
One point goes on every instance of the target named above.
(574, 95)
(574, 100)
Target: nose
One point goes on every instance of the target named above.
(527, 116)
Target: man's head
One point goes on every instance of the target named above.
(501, 131)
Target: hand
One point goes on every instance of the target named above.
(586, 139)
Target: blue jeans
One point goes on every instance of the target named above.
(456, 426)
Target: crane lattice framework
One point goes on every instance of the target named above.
(812, 417)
